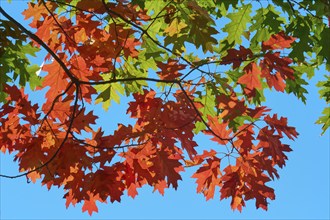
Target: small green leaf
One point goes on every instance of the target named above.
(324, 119)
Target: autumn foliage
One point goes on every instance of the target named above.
(157, 55)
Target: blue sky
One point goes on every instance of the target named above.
(302, 192)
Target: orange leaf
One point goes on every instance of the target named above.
(160, 186)
(221, 130)
(251, 77)
(131, 191)
(208, 177)
(89, 204)
(34, 176)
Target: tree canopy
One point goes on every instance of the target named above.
(187, 68)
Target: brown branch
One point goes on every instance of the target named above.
(303, 7)
(114, 147)
(128, 80)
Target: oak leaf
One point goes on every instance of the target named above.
(278, 41)
(251, 77)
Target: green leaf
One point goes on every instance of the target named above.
(34, 80)
(108, 93)
(175, 27)
(265, 22)
(296, 87)
(237, 26)
(207, 99)
(325, 45)
(324, 119)
(305, 68)
(324, 89)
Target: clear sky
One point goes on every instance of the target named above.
(302, 192)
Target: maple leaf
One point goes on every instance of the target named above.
(274, 62)
(34, 176)
(131, 191)
(257, 112)
(168, 165)
(58, 110)
(129, 47)
(245, 139)
(108, 182)
(69, 199)
(44, 31)
(80, 69)
(273, 80)
(239, 19)
(232, 184)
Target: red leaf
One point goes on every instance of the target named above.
(170, 70)
(59, 110)
(251, 77)
(168, 165)
(232, 187)
(274, 80)
(236, 57)
(271, 146)
(278, 41)
(220, 129)
(38, 10)
(280, 64)
(91, 5)
(231, 106)
(258, 111)
(56, 79)
(34, 176)
(70, 199)
(281, 125)
(276, 70)
(208, 177)
(83, 122)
